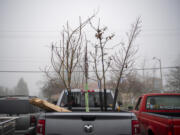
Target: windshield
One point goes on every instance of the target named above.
(78, 99)
(163, 103)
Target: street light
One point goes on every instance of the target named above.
(160, 65)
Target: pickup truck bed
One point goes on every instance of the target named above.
(161, 123)
(88, 123)
(7, 125)
(160, 116)
(79, 122)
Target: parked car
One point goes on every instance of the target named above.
(19, 106)
(159, 114)
(80, 122)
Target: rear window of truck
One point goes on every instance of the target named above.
(169, 102)
(78, 99)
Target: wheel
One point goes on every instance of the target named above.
(150, 132)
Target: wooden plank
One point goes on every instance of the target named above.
(46, 105)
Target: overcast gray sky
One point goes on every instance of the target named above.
(28, 27)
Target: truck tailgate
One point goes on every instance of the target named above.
(88, 123)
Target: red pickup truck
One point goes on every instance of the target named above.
(159, 114)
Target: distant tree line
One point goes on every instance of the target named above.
(20, 89)
(174, 80)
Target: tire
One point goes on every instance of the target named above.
(150, 132)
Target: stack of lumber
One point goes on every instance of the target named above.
(46, 105)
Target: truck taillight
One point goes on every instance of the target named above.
(41, 127)
(135, 127)
(32, 120)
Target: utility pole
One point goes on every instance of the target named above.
(144, 79)
(160, 65)
(154, 77)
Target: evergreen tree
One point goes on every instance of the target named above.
(21, 88)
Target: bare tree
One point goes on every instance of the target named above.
(52, 86)
(133, 86)
(77, 78)
(100, 56)
(124, 58)
(66, 56)
(174, 80)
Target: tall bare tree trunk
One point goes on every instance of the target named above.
(131, 37)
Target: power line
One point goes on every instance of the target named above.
(21, 71)
(29, 31)
(53, 30)
(36, 71)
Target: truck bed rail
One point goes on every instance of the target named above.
(7, 125)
